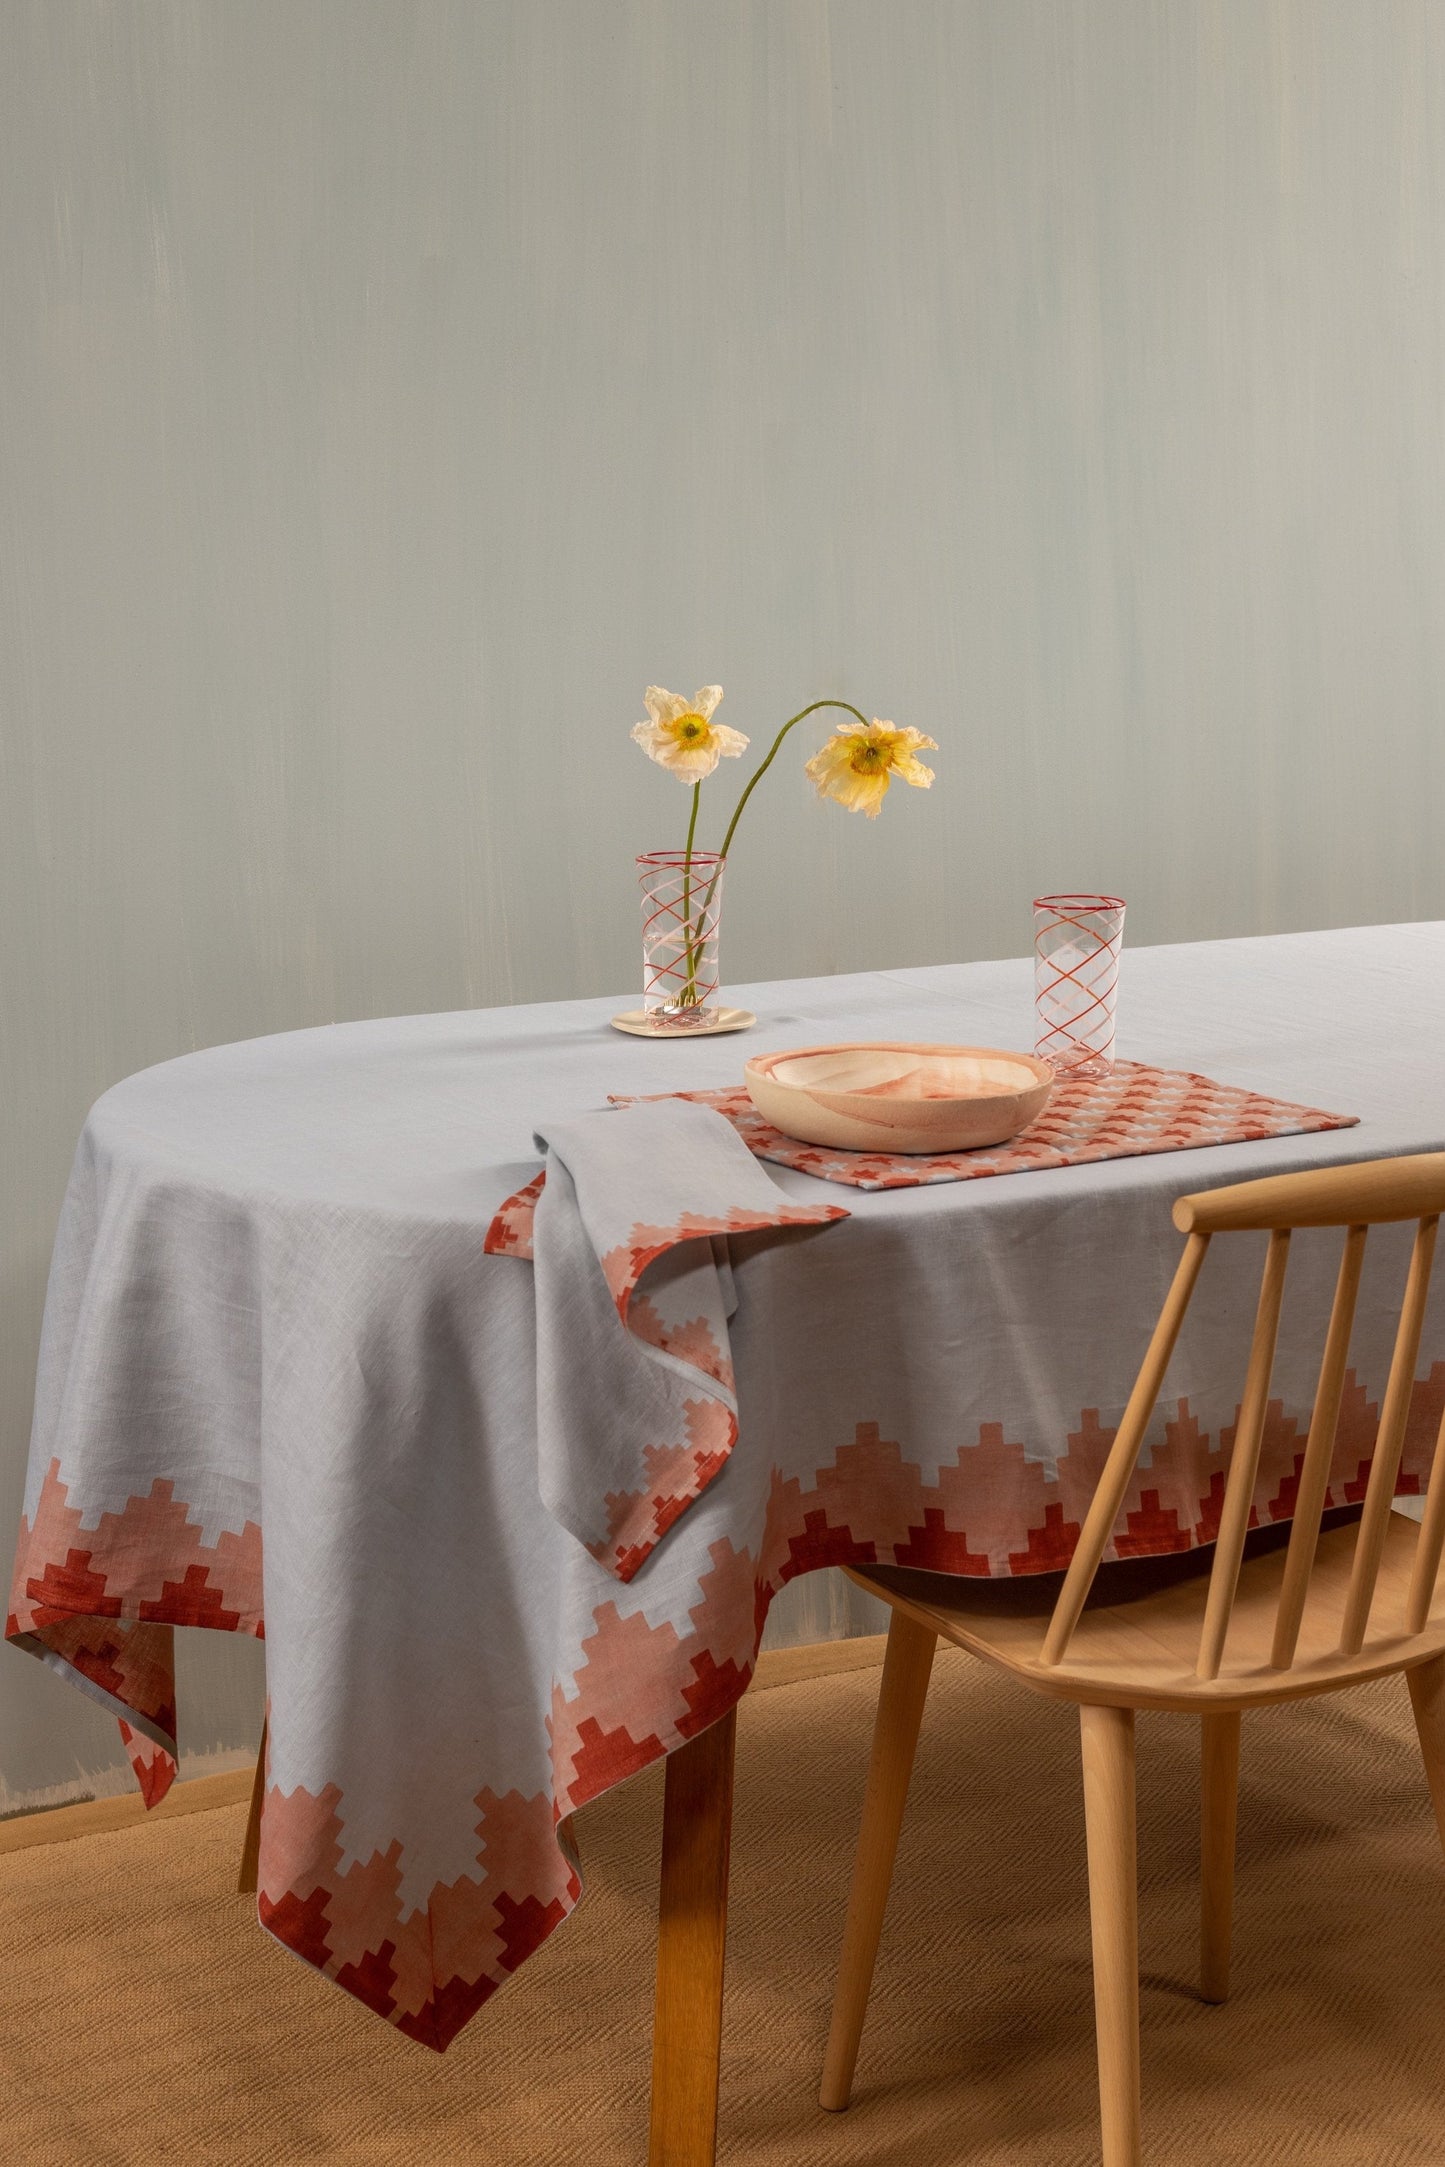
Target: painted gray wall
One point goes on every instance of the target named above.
(393, 387)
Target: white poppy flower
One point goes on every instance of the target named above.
(681, 735)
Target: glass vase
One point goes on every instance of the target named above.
(681, 915)
(1077, 943)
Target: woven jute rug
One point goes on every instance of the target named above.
(146, 2018)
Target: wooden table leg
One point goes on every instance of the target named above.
(251, 1843)
(692, 1916)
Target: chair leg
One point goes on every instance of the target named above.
(1219, 1795)
(904, 1690)
(1427, 1698)
(692, 1917)
(1108, 1750)
(251, 1842)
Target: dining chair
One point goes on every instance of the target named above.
(1337, 1606)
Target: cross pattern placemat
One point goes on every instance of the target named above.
(1136, 1111)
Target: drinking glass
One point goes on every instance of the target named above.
(1077, 940)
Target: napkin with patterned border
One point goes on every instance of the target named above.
(627, 1230)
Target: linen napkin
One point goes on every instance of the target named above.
(636, 1403)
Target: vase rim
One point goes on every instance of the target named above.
(1070, 901)
(680, 857)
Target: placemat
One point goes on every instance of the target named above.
(1136, 1111)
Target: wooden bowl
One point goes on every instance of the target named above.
(888, 1097)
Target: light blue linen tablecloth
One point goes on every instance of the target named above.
(271, 1329)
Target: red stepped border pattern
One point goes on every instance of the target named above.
(106, 1598)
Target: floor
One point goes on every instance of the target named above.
(145, 2018)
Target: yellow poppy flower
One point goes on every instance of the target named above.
(681, 734)
(861, 759)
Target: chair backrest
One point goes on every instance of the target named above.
(1355, 1197)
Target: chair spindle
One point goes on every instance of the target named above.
(1432, 1543)
(1314, 1478)
(1123, 1456)
(1244, 1460)
(1389, 1444)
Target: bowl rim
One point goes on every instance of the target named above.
(1042, 1070)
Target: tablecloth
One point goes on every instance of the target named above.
(281, 1388)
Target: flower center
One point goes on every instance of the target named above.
(689, 727)
(868, 759)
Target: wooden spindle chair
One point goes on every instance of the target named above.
(1336, 1607)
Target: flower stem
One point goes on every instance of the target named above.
(689, 991)
(755, 778)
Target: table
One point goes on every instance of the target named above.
(270, 1315)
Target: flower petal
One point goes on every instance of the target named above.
(706, 702)
(831, 769)
(910, 770)
(728, 742)
(651, 737)
(660, 744)
(693, 763)
(860, 793)
(664, 706)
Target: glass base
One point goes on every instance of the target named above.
(1084, 1068)
(639, 1024)
(698, 1017)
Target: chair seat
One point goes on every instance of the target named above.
(1140, 1651)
